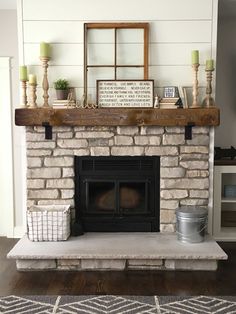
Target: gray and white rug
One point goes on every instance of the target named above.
(106, 304)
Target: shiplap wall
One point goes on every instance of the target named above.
(176, 28)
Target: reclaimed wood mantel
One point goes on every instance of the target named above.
(117, 117)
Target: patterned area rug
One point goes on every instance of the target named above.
(117, 305)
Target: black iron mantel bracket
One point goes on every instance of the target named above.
(188, 130)
(48, 130)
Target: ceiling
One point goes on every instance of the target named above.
(8, 4)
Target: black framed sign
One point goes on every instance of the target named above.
(125, 93)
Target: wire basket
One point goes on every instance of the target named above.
(48, 222)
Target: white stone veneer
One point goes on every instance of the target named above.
(184, 163)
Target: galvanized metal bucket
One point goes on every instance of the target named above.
(191, 224)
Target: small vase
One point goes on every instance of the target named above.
(62, 94)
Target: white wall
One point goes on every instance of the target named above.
(7, 4)
(6, 156)
(9, 48)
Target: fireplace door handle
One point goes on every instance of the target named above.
(86, 194)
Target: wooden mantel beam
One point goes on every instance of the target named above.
(117, 116)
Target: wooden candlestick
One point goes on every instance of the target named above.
(33, 96)
(24, 94)
(195, 103)
(45, 84)
(208, 101)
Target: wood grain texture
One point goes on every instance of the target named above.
(119, 116)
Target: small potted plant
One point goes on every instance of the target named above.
(62, 88)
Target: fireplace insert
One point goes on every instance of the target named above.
(116, 193)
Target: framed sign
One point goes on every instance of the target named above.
(125, 93)
(171, 91)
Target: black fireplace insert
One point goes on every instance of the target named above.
(117, 193)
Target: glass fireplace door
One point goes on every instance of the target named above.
(100, 196)
(117, 193)
(118, 197)
(133, 197)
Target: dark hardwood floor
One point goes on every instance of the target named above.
(221, 282)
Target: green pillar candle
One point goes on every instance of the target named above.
(44, 50)
(210, 65)
(32, 79)
(23, 73)
(195, 57)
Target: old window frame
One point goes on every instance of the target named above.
(115, 66)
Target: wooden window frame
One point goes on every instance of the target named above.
(116, 26)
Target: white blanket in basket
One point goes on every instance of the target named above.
(48, 223)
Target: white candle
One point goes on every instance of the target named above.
(32, 79)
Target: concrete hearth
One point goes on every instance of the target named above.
(117, 251)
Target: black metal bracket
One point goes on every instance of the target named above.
(188, 130)
(48, 130)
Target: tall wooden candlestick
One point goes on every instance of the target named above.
(195, 103)
(33, 96)
(24, 94)
(208, 101)
(45, 84)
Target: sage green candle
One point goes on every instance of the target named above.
(23, 73)
(210, 65)
(195, 57)
(44, 50)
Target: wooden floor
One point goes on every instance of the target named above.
(221, 282)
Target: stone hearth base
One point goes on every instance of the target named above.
(117, 251)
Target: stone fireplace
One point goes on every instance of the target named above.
(184, 167)
(183, 179)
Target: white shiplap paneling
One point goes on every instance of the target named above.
(53, 32)
(176, 28)
(178, 54)
(73, 73)
(160, 54)
(117, 10)
(62, 54)
(160, 32)
(163, 75)
(175, 75)
(180, 31)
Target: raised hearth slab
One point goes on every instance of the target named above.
(117, 251)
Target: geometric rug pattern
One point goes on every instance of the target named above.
(109, 304)
(200, 305)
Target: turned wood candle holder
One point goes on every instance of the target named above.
(45, 84)
(208, 101)
(24, 94)
(195, 103)
(33, 96)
